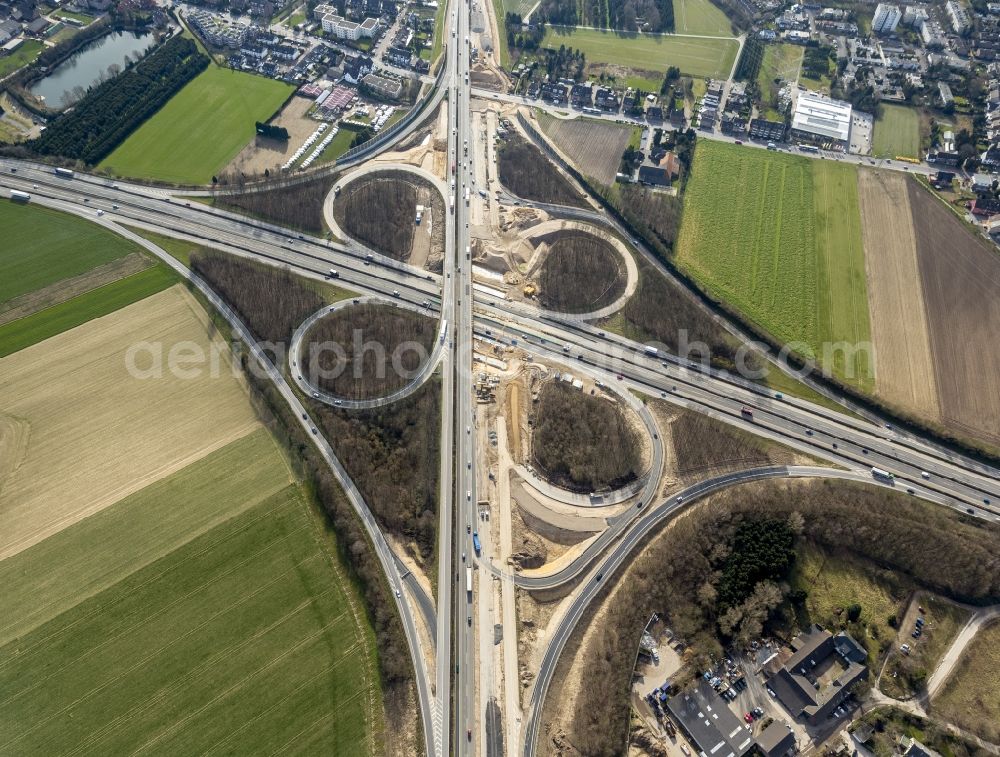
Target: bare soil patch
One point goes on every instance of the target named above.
(95, 433)
(380, 211)
(595, 147)
(581, 274)
(904, 369)
(961, 287)
(271, 154)
(382, 347)
(67, 289)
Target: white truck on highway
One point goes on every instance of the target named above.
(883, 475)
(16, 195)
(468, 582)
(466, 195)
(64, 173)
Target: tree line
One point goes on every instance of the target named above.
(113, 110)
(624, 15)
(270, 131)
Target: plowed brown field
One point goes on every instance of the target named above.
(961, 288)
(904, 368)
(595, 147)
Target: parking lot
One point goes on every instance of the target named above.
(861, 133)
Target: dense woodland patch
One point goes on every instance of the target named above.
(581, 442)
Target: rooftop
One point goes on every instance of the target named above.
(713, 727)
(822, 116)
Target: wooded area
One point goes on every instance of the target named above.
(679, 575)
(529, 174)
(581, 273)
(272, 302)
(370, 334)
(109, 113)
(581, 442)
(380, 211)
(392, 454)
(296, 204)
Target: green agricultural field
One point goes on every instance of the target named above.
(897, 133)
(201, 129)
(710, 58)
(778, 237)
(39, 326)
(204, 620)
(43, 246)
(700, 17)
(21, 57)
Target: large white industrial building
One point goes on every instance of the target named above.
(820, 119)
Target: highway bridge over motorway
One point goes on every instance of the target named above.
(445, 673)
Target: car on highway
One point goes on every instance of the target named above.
(470, 620)
(463, 557)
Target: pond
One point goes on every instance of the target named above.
(85, 67)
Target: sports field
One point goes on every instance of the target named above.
(694, 56)
(201, 129)
(700, 17)
(246, 638)
(778, 237)
(97, 432)
(43, 246)
(897, 133)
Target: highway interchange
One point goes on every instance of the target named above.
(450, 709)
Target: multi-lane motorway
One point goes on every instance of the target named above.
(449, 708)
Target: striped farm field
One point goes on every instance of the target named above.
(239, 642)
(778, 238)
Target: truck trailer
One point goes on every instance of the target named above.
(884, 476)
(468, 581)
(16, 195)
(64, 173)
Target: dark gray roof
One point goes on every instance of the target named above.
(712, 726)
(776, 740)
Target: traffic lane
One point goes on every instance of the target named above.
(845, 452)
(873, 438)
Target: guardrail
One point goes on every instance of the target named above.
(355, 153)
